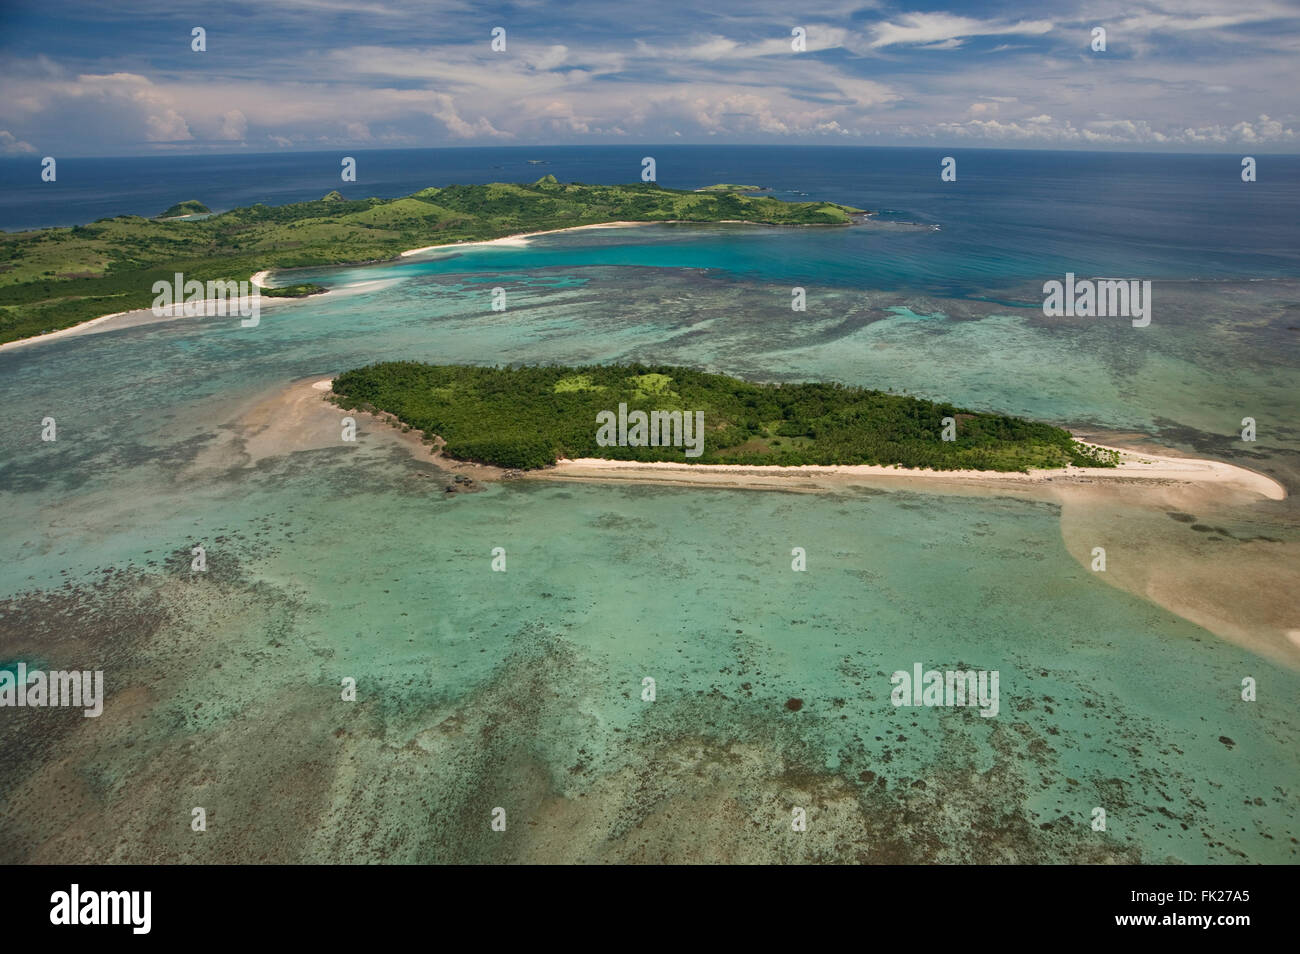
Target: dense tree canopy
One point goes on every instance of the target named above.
(527, 417)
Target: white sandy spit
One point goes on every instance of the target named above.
(143, 316)
(1132, 465)
(521, 240)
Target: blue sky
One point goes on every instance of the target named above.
(120, 78)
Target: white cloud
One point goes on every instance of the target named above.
(1114, 132)
(940, 28)
(731, 75)
(444, 109)
(10, 145)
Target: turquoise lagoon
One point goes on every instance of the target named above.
(524, 689)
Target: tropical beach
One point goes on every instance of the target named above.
(518, 240)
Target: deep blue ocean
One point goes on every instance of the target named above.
(1011, 216)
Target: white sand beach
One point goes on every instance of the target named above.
(80, 329)
(1133, 466)
(521, 239)
(141, 316)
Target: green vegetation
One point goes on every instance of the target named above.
(188, 207)
(730, 187)
(527, 417)
(58, 277)
(294, 291)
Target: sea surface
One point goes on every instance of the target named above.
(524, 690)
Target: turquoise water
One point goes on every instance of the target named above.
(522, 689)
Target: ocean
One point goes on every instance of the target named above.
(525, 689)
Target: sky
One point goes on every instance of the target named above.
(121, 77)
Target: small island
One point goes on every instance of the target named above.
(188, 207)
(529, 417)
(729, 187)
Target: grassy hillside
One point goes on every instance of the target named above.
(55, 278)
(527, 417)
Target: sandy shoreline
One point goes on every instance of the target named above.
(170, 313)
(62, 332)
(1133, 466)
(141, 316)
(520, 239)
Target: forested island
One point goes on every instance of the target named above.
(528, 417)
(58, 277)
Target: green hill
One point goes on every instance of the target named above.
(58, 277)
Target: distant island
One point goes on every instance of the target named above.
(188, 207)
(729, 187)
(58, 277)
(529, 417)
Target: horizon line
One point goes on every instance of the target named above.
(32, 157)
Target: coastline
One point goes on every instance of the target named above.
(520, 239)
(171, 313)
(76, 329)
(258, 279)
(145, 316)
(301, 417)
(1133, 466)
